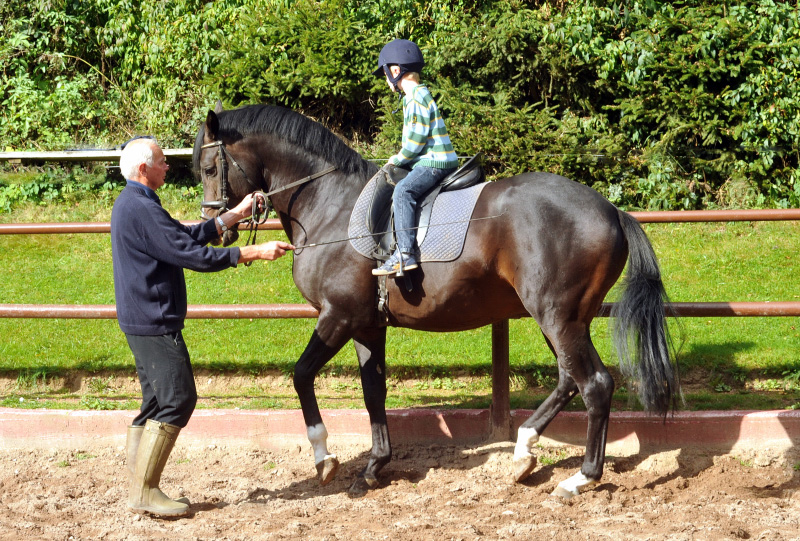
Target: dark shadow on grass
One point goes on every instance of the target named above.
(718, 358)
(713, 356)
(530, 372)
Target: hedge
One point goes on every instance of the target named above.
(664, 105)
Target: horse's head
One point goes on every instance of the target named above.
(226, 169)
(278, 151)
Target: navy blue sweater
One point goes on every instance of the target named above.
(150, 250)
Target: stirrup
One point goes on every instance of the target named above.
(407, 262)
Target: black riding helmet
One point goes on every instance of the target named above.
(403, 53)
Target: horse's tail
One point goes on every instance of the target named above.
(640, 325)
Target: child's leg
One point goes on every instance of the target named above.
(407, 193)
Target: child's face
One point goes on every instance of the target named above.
(395, 70)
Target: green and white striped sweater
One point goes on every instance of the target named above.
(425, 139)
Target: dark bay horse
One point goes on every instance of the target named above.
(555, 250)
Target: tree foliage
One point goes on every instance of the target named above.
(685, 104)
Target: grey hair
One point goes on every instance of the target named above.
(135, 153)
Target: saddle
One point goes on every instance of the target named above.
(445, 210)
(379, 215)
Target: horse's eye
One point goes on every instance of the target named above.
(210, 171)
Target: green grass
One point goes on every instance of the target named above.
(733, 262)
(700, 262)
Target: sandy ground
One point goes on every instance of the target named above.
(426, 493)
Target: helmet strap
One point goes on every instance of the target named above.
(395, 81)
(400, 96)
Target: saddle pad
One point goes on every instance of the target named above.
(446, 231)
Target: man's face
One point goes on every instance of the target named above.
(155, 174)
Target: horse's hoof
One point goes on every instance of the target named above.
(326, 470)
(563, 493)
(361, 486)
(573, 486)
(523, 467)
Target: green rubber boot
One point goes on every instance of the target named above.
(155, 445)
(132, 446)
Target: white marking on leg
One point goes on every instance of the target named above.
(574, 486)
(318, 436)
(526, 439)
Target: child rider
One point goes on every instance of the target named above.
(426, 148)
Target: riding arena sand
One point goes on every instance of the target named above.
(244, 491)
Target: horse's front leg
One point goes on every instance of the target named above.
(371, 351)
(317, 353)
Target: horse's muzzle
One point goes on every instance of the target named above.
(229, 237)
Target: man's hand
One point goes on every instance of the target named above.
(274, 249)
(241, 211)
(269, 251)
(245, 208)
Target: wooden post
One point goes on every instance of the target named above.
(500, 411)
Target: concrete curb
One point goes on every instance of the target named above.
(629, 432)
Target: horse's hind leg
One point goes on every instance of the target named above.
(371, 351)
(579, 366)
(529, 432)
(580, 359)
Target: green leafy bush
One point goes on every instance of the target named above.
(53, 91)
(70, 185)
(687, 104)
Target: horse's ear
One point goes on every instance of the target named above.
(212, 126)
(218, 107)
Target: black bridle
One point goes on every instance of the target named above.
(222, 202)
(224, 156)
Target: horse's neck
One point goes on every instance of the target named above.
(320, 207)
(321, 204)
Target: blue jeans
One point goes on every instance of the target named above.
(407, 194)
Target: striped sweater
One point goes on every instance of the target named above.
(425, 139)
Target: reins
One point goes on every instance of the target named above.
(260, 199)
(303, 180)
(381, 233)
(257, 217)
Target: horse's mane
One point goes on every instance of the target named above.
(293, 127)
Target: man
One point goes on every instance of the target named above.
(150, 250)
